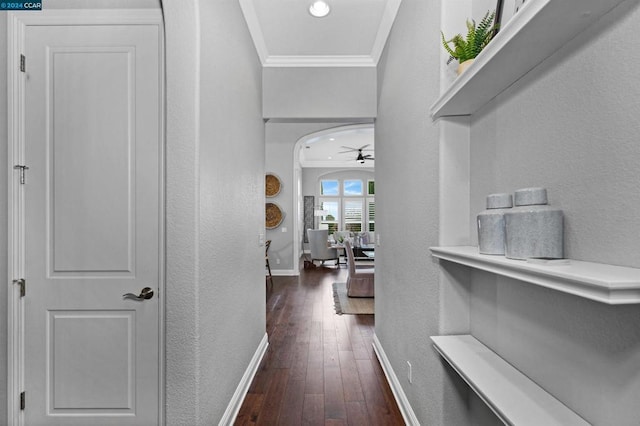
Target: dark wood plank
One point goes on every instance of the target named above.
(300, 362)
(292, 404)
(285, 352)
(331, 357)
(334, 407)
(320, 368)
(380, 411)
(350, 378)
(315, 380)
(313, 411)
(248, 414)
(342, 333)
(315, 372)
(358, 343)
(273, 399)
(261, 380)
(357, 413)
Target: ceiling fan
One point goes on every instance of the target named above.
(361, 157)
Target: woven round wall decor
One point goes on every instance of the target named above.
(272, 185)
(273, 216)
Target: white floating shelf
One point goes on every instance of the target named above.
(613, 285)
(512, 396)
(532, 35)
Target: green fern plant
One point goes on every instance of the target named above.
(477, 39)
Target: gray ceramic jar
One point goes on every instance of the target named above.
(532, 228)
(491, 229)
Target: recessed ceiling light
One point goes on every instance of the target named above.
(319, 9)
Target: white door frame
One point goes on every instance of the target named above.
(17, 23)
(298, 232)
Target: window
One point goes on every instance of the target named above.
(352, 187)
(371, 214)
(331, 220)
(329, 187)
(353, 215)
(348, 204)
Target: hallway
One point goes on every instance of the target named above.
(320, 367)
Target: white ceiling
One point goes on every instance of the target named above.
(353, 34)
(325, 148)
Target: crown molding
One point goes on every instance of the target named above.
(388, 18)
(319, 61)
(370, 60)
(251, 17)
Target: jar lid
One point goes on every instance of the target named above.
(499, 201)
(530, 196)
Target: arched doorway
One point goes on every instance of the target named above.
(334, 149)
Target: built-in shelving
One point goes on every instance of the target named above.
(512, 396)
(532, 35)
(613, 285)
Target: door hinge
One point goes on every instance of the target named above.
(23, 170)
(23, 286)
(23, 66)
(22, 400)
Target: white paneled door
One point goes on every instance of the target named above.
(91, 206)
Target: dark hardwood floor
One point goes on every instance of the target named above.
(320, 367)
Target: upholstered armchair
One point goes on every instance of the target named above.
(360, 281)
(318, 245)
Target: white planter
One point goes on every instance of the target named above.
(532, 228)
(463, 66)
(491, 225)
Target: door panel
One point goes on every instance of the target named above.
(93, 223)
(91, 159)
(105, 338)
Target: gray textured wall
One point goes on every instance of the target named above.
(231, 296)
(571, 125)
(215, 196)
(319, 92)
(407, 283)
(182, 332)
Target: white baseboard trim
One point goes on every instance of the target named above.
(233, 408)
(284, 273)
(401, 399)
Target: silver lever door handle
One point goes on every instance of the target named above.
(145, 294)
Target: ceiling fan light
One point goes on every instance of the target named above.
(319, 9)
